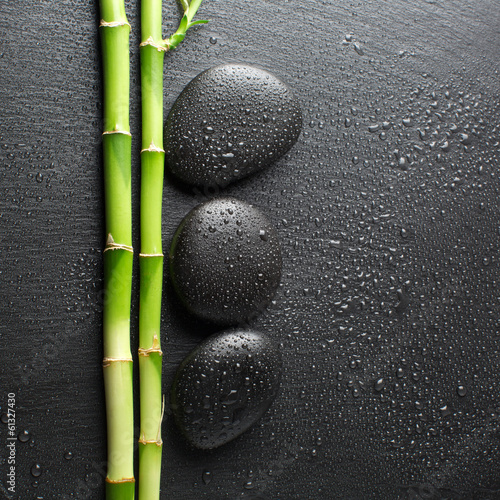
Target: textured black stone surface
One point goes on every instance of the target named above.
(388, 213)
(225, 261)
(224, 386)
(229, 122)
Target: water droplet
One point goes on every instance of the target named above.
(464, 139)
(445, 411)
(24, 436)
(206, 476)
(379, 384)
(213, 40)
(36, 470)
(461, 391)
(249, 485)
(68, 455)
(358, 49)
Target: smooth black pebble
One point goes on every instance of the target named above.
(224, 386)
(225, 261)
(229, 122)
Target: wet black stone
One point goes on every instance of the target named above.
(229, 122)
(225, 261)
(224, 386)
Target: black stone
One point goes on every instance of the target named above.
(229, 122)
(224, 386)
(225, 261)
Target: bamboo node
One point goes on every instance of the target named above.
(122, 480)
(151, 441)
(111, 245)
(114, 24)
(152, 149)
(154, 348)
(107, 361)
(110, 132)
(150, 255)
(147, 352)
(117, 246)
(150, 41)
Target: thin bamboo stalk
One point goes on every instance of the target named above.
(151, 256)
(153, 49)
(118, 252)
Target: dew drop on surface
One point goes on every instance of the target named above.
(461, 391)
(24, 436)
(445, 411)
(4, 418)
(206, 477)
(36, 470)
(68, 455)
(359, 50)
(379, 384)
(249, 485)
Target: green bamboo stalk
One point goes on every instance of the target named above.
(118, 253)
(153, 49)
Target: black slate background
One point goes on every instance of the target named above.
(390, 246)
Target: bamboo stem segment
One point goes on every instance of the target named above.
(152, 48)
(151, 256)
(118, 253)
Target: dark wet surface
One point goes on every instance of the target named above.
(387, 211)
